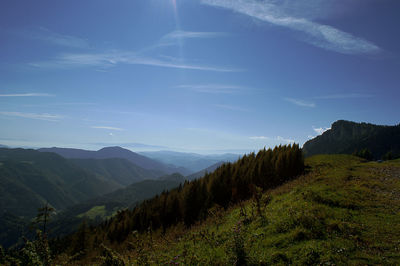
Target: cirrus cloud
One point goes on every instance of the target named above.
(112, 59)
(26, 95)
(108, 128)
(299, 102)
(317, 34)
(43, 116)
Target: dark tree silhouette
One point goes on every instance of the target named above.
(43, 216)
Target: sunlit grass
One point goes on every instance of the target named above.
(96, 211)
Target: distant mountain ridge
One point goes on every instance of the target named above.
(120, 171)
(192, 161)
(29, 179)
(117, 152)
(347, 137)
(201, 173)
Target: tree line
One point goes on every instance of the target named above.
(191, 201)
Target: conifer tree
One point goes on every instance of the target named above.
(43, 216)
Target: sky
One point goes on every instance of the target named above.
(206, 76)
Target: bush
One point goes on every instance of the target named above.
(110, 257)
(239, 256)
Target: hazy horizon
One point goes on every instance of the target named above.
(138, 149)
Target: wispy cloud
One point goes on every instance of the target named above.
(299, 102)
(61, 39)
(275, 139)
(320, 130)
(213, 88)
(109, 128)
(344, 96)
(45, 116)
(231, 107)
(26, 95)
(320, 35)
(72, 103)
(177, 64)
(107, 60)
(178, 37)
(47, 36)
(174, 37)
(61, 104)
(260, 138)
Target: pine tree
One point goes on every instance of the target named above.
(43, 216)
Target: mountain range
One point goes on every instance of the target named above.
(29, 179)
(77, 189)
(118, 152)
(94, 185)
(192, 161)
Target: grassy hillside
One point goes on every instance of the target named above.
(343, 211)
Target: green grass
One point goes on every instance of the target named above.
(94, 212)
(344, 211)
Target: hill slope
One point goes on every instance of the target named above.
(121, 171)
(344, 211)
(103, 207)
(347, 137)
(137, 192)
(29, 178)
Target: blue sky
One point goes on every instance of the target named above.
(202, 76)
